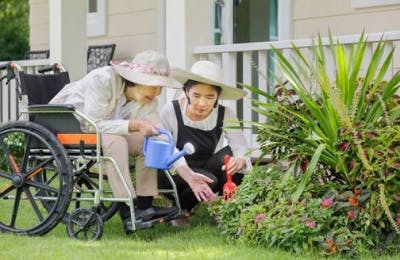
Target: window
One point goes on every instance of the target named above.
(370, 3)
(96, 18)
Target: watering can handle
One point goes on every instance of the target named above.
(161, 131)
(167, 133)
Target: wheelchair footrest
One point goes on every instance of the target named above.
(152, 222)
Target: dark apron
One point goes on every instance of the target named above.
(204, 142)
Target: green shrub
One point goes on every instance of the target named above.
(341, 144)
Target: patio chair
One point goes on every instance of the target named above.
(34, 55)
(99, 56)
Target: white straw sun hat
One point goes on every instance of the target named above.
(148, 68)
(209, 73)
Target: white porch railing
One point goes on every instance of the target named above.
(9, 107)
(239, 60)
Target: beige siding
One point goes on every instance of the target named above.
(131, 25)
(39, 24)
(311, 17)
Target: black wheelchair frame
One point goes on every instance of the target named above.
(49, 163)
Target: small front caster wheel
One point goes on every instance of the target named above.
(85, 224)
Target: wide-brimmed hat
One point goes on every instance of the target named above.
(209, 73)
(148, 68)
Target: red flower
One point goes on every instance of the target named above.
(350, 165)
(327, 202)
(351, 214)
(304, 165)
(398, 219)
(365, 154)
(343, 147)
(371, 135)
(331, 246)
(353, 201)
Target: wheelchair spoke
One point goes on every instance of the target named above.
(26, 153)
(6, 175)
(16, 207)
(42, 187)
(33, 203)
(38, 169)
(9, 156)
(4, 191)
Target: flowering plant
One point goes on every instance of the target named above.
(339, 137)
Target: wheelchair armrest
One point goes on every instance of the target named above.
(52, 108)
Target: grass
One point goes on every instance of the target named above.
(201, 240)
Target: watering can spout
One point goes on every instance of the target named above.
(187, 149)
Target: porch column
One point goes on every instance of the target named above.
(187, 24)
(67, 32)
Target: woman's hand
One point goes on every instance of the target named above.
(146, 127)
(198, 183)
(235, 165)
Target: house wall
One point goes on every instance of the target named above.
(131, 24)
(311, 17)
(39, 24)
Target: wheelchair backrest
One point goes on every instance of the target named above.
(41, 88)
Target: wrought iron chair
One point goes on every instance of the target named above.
(99, 56)
(34, 55)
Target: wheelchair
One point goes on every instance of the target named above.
(46, 166)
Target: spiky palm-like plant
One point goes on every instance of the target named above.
(341, 131)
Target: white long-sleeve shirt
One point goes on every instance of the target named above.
(100, 96)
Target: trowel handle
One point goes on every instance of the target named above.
(226, 162)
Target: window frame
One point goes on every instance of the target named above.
(96, 22)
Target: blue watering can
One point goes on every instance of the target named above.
(159, 153)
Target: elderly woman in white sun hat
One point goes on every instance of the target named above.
(121, 100)
(200, 120)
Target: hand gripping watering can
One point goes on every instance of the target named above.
(159, 153)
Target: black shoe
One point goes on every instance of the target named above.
(145, 214)
(141, 215)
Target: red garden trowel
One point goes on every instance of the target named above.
(229, 187)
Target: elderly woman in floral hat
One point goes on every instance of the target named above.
(200, 120)
(121, 100)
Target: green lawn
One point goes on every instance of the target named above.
(200, 241)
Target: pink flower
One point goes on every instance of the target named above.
(327, 202)
(311, 224)
(351, 214)
(259, 217)
(303, 219)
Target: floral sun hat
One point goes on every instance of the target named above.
(148, 68)
(209, 73)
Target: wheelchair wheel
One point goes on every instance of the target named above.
(34, 169)
(85, 224)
